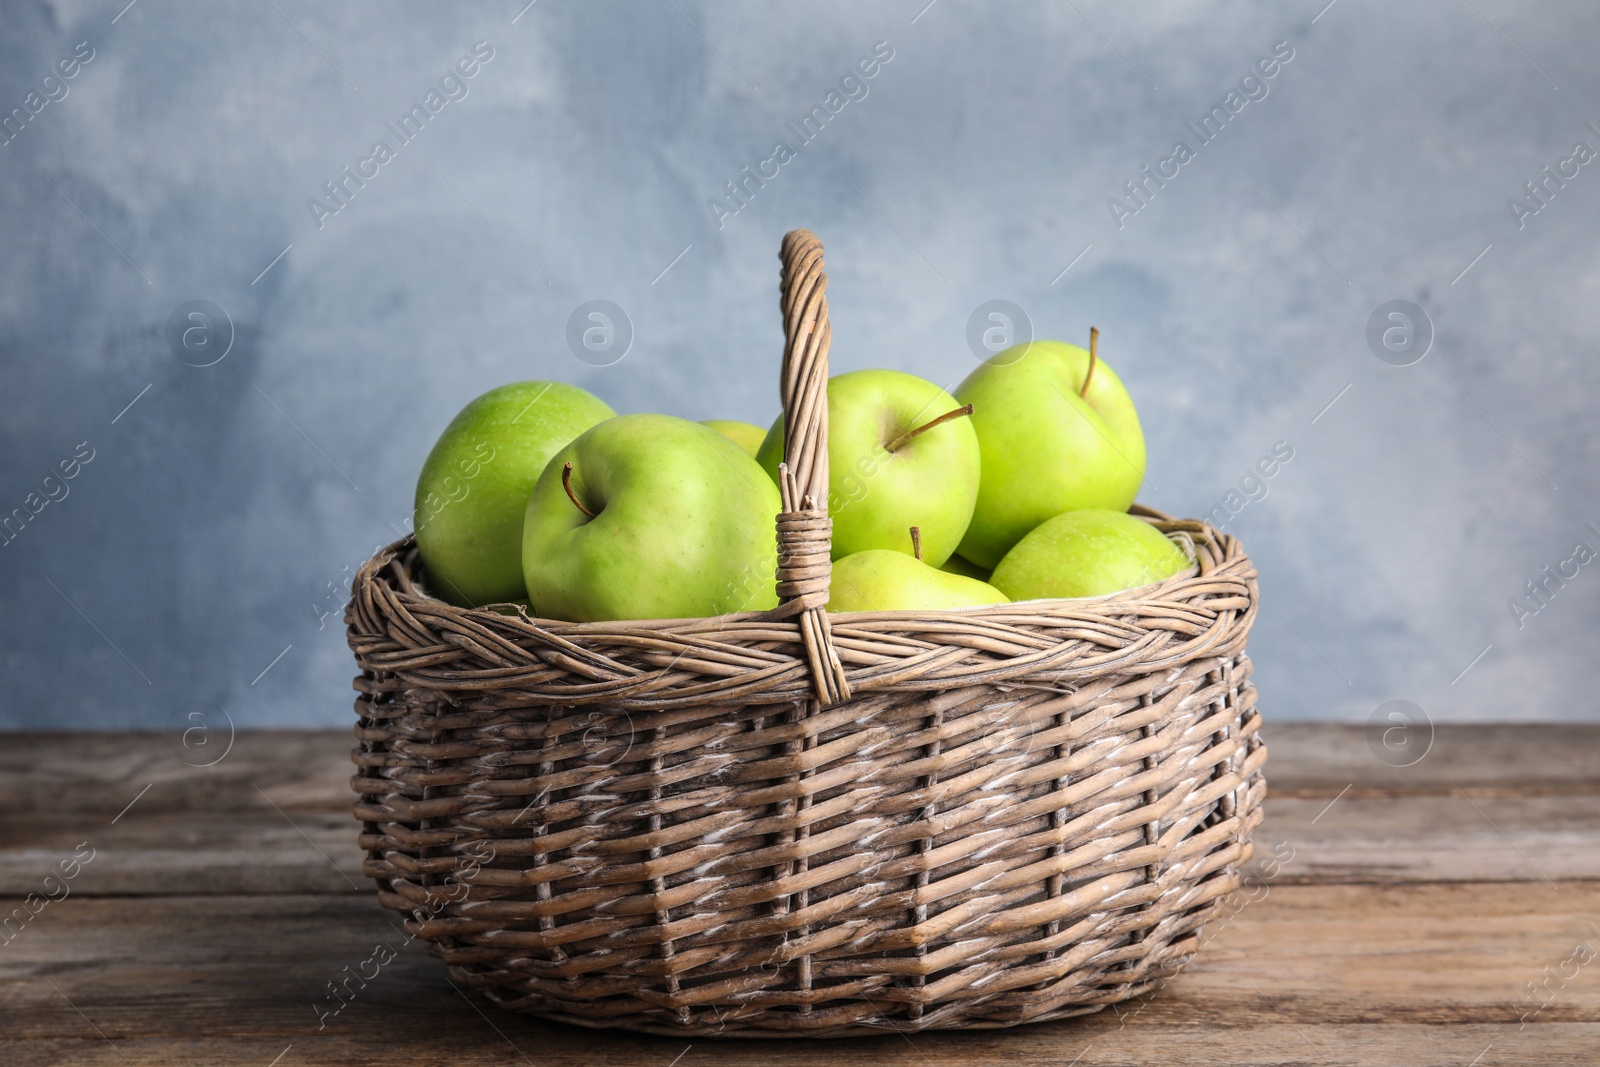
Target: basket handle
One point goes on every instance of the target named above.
(804, 529)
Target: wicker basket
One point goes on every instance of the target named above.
(800, 824)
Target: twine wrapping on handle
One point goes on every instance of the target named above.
(804, 529)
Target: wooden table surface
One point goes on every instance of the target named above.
(1444, 913)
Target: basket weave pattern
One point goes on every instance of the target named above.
(792, 823)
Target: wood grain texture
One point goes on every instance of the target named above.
(462, 1044)
(1322, 759)
(195, 852)
(1455, 837)
(97, 774)
(1307, 966)
(1398, 921)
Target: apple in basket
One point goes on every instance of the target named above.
(959, 564)
(1057, 432)
(650, 517)
(881, 579)
(475, 483)
(747, 435)
(1091, 552)
(901, 453)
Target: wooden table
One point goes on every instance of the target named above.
(1444, 913)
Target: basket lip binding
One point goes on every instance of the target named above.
(1190, 606)
(1167, 589)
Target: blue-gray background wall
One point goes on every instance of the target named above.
(214, 530)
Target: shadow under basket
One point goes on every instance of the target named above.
(803, 824)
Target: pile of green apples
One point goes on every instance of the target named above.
(1017, 487)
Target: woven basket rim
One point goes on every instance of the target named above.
(1170, 589)
(1208, 610)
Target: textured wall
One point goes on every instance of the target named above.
(216, 523)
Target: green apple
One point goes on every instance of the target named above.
(899, 454)
(882, 579)
(959, 564)
(1091, 552)
(746, 435)
(1048, 444)
(650, 517)
(475, 484)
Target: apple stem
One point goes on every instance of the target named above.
(916, 542)
(899, 442)
(566, 483)
(1094, 345)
